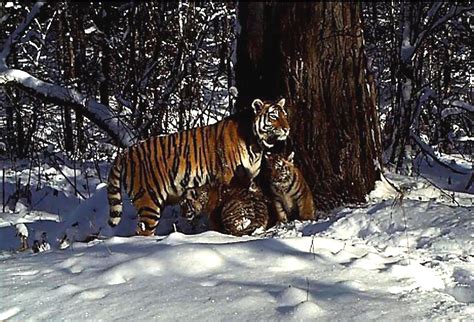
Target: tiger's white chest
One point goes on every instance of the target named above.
(253, 162)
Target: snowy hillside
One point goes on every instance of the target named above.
(386, 260)
(365, 83)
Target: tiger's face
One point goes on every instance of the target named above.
(281, 170)
(194, 202)
(271, 122)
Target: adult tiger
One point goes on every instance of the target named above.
(158, 170)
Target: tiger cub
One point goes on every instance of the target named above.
(291, 195)
(244, 210)
(237, 209)
(199, 203)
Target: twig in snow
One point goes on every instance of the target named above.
(311, 248)
(440, 189)
(398, 201)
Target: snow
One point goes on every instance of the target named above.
(393, 258)
(21, 229)
(90, 30)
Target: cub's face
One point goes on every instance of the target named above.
(194, 202)
(281, 170)
(271, 122)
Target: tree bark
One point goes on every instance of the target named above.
(313, 55)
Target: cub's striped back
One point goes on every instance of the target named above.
(243, 211)
(237, 209)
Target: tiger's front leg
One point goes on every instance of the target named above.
(280, 211)
(148, 216)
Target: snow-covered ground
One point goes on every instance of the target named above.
(390, 259)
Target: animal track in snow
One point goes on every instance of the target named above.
(72, 265)
(371, 261)
(291, 296)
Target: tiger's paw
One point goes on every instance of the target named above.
(142, 231)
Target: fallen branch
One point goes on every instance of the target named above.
(99, 114)
(427, 150)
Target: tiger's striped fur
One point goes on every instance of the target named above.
(237, 209)
(199, 203)
(243, 211)
(158, 170)
(290, 192)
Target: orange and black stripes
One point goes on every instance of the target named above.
(291, 193)
(114, 191)
(243, 212)
(158, 170)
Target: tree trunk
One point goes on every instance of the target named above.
(65, 48)
(312, 54)
(78, 44)
(9, 109)
(106, 54)
(20, 134)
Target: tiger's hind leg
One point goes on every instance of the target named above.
(148, 216)
(305, 203)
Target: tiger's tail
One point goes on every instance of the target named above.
(114, 191)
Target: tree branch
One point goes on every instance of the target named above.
(16, 35)
(94, 111)
(427, 150)
(452, 13)
(98, 113)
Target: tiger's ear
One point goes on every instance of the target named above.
(257, 105)
(281, 102)
(291, 156)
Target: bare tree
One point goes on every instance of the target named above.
(96, 112)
